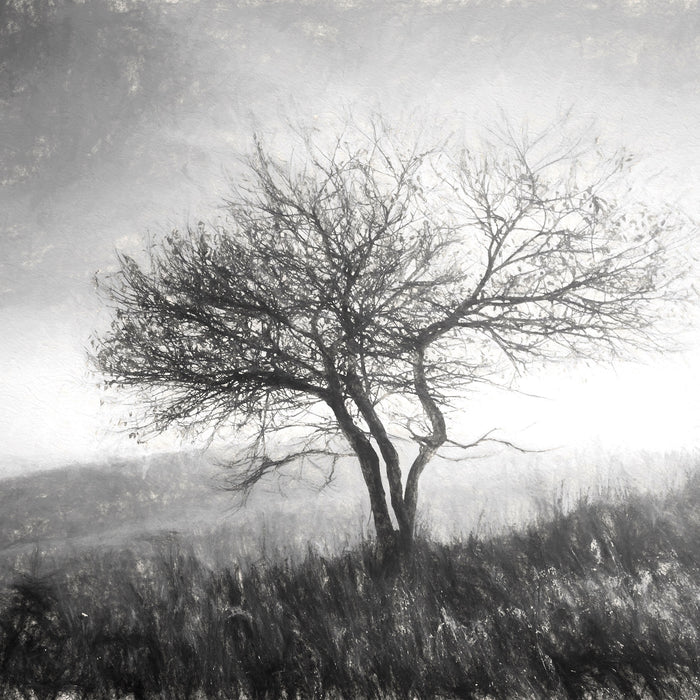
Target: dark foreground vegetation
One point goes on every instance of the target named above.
(600, 602)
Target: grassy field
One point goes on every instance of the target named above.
(597, 600)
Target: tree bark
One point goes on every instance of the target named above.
(371, 472)
(431, 443)
(389, 454)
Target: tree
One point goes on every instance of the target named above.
(358, 288)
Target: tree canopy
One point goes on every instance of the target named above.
(362, 283)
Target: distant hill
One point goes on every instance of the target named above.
(100, 501)
(126, 503)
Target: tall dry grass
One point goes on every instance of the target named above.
(602, 601)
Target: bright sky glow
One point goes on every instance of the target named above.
(133, 124)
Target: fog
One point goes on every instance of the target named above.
(120, 118)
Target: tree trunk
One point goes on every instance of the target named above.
(388, 452)
(371, 472)
(369, 465)
(431, 443)
(425, 454)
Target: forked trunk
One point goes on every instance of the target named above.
(393, 545)
(371, 473)
(377, 499)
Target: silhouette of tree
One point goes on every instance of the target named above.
(357, 288)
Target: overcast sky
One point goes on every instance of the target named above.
(119, 118)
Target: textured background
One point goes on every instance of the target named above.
(121, 117)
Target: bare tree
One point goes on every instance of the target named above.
(358, 288)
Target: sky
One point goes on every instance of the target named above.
(119, 118)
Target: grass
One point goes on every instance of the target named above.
(602, 601)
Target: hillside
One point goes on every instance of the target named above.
(69, 510)
(116, 502)
(598, 602)
(95, 500)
